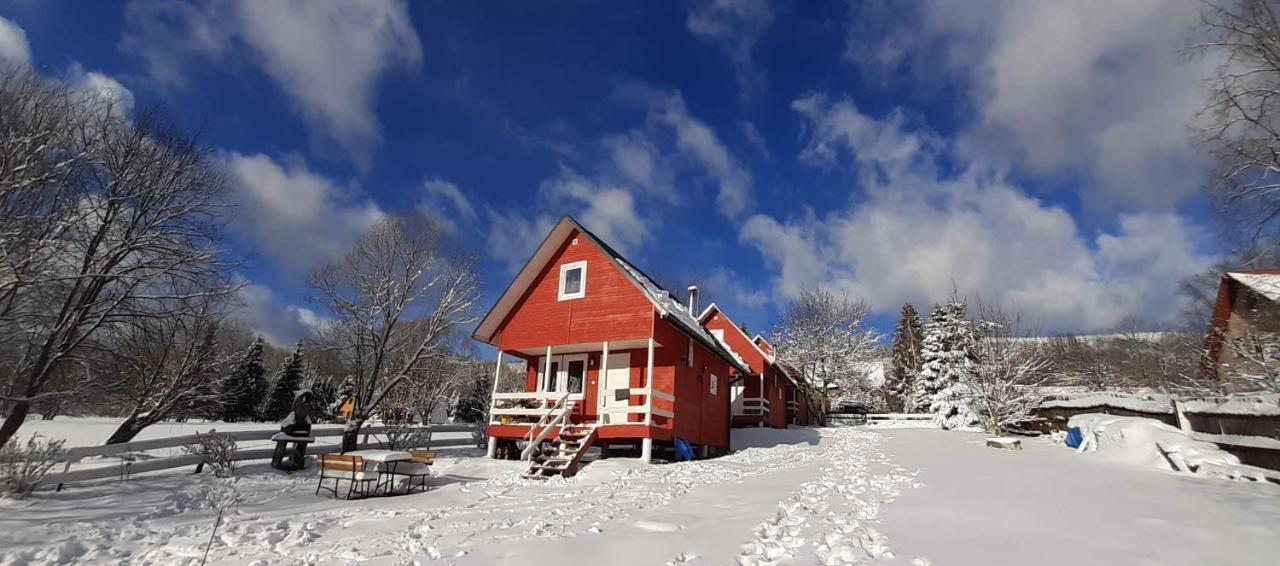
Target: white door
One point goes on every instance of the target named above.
(615, 387)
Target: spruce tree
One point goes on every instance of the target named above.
(243, 390)
(473, 405)
(288, 378)
(908, 339)
(946, 356)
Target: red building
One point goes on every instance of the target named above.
(767, 396)
(612, 359)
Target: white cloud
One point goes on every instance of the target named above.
(608, 211)
(698, 141)
(296, 216)
(103, 88)
(1095, 90)
(514, 234)
(15, 51)
(734, 26)
(919, 233)
(444, 202)
(327, 56)
(755, 138)
(280, 324)
(174, 38)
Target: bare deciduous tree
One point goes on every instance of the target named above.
(129, 232)
(1240, 124)
(161, 366)
(394, 297)
(822, 335)
(1002, 388)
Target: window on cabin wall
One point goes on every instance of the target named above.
(688, 359)
(715, 385)
(573, 280)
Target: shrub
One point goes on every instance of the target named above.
(406, 437)
(218, 451)
(23, 467)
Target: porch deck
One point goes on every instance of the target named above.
(637, 431)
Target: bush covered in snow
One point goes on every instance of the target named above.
(23, 467)
(404, 436)
(218, 451)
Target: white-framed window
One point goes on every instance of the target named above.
(689, 359)
(573, 280)
(715, 385)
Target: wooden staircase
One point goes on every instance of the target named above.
(562, 456)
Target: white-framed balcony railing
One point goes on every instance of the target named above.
(645, 408)
(521, 406)
(752, 406)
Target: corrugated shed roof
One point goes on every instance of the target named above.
(1265, 284)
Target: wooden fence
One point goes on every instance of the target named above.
(128, 462)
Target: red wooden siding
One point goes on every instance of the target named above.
(774, 383)
(612, 309)
(700, 417)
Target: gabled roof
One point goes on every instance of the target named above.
(706, 314)
(669, 308)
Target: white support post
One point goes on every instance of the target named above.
(760, 402)
(546, 377)
(646, 450)
(497, 374)
(648, 399)
(600, 383)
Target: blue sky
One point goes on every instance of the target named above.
(1035, 153)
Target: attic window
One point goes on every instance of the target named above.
(573, 280)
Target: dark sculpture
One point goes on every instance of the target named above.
(298, 423)
(296, 429)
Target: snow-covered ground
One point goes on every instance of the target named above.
(800, 496)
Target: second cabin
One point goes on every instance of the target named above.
(770, 394)
(612, 360)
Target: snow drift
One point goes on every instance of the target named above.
(1147, 442)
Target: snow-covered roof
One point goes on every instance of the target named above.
(1265, 284)
(670, 308)
(673, 310)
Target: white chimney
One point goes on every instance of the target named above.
(693, 300)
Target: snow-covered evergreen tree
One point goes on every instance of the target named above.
(908, 339)
(946, 357)
(288, 378)
(473, 405)
(244, 389)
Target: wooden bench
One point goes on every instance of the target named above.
(349, 469)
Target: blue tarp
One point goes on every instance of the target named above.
(1074, 437)
(684, 449)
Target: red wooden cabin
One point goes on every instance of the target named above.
(797, 392)
(769, 395)
(610, 355)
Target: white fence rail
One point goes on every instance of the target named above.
(128, 464)
(884, 420)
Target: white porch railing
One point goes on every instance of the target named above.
(646, 409)
(752, 406)
(527, 405)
